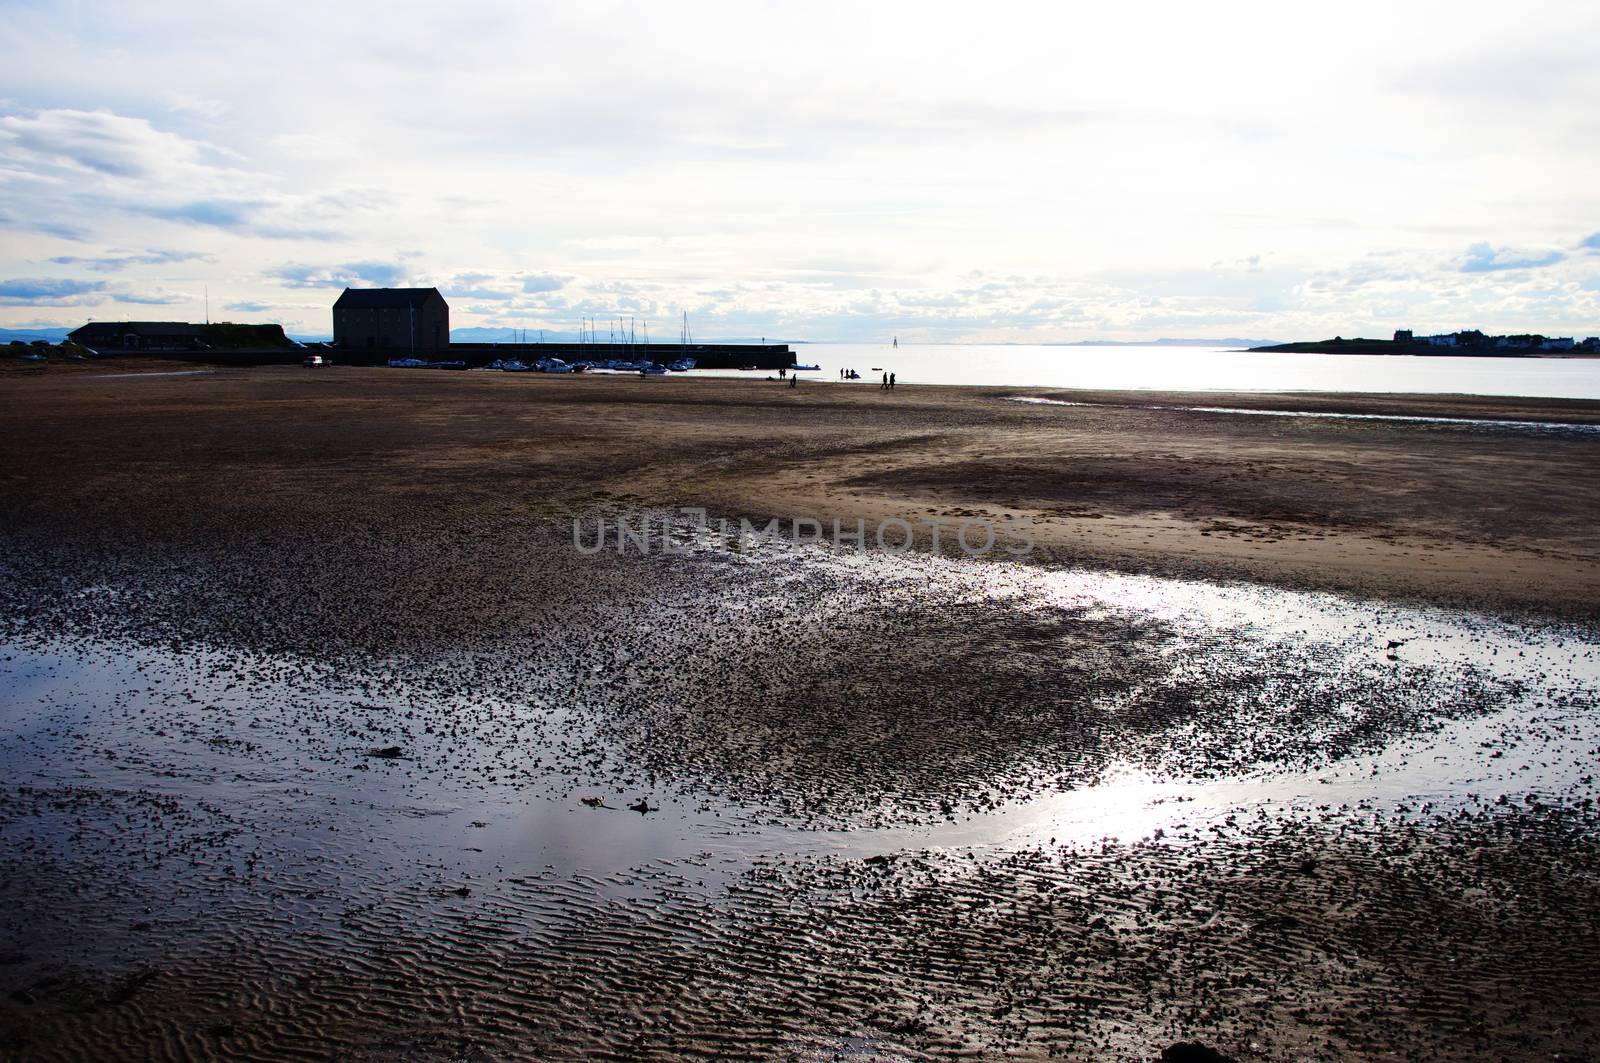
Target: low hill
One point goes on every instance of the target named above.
(227, 336)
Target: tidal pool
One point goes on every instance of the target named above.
(1101, 705)
(865, 777)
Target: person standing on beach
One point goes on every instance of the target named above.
(885, 385)
(891, 381)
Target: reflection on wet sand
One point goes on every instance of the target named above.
(961, 806)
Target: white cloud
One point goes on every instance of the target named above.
(1483, 258)
(185, 103)
(348, 275)
(827, 169)
(48, 291)
(55, 291)
(115, 261)
(543, 282)
(97, 142)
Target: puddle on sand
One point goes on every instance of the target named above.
(1535, 740)
(219, 817)
(216, 767)
(1465, 422)
(210, 828)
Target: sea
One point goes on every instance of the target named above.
(1173, 368)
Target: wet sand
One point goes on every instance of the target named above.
(1282, 741)
(1473, 515)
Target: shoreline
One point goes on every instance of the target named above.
(88, 367)
(1352, 401)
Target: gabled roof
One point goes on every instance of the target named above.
(384, 298)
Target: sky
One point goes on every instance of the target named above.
(824, 171)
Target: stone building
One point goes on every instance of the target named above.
(407, 320)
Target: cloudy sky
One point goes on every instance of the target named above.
(810, 171)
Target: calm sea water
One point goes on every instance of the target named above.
(1203, 369)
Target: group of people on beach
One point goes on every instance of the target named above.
(851, 374)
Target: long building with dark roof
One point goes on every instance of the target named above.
(392, 319)
(139, 335)
(170, 336)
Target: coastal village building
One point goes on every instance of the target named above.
(1477, 341)
(397, 319)
(1534, 343)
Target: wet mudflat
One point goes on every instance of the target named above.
(896, 807)
(318, 739)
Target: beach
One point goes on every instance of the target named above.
(1477, 514)
(322, 734)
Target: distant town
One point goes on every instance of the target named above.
(1470, 342)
